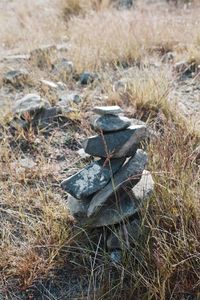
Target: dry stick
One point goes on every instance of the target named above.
(109, 155)
(93, 265)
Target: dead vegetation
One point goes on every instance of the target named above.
(37, 234)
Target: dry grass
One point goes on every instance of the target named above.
(82, 7)
(37, 233)
(27, 25)
(34, 226)
(111, 36)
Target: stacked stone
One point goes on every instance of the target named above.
(110, 190)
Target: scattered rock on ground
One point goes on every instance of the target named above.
(27, 163)
(29, 104)
(183, 68)
(82, 153)
(46, 84)
(124, 3)
(65, 98)
(87, 77)
(47, 117)
(17, 78)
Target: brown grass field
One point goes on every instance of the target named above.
(43, 252)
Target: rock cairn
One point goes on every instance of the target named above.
(110, 190)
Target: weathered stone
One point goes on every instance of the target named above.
(30, 103)
(46, 84)
(118, 208)
(108, 123)
(183, 68)
(87, 77)
(167, 58)
(125, 235)
(17, 78)
(47, 116)
(92, 178)
(24, 165)
(125, 3)
(27, 163)
(66, 98)
(82, 153)
(63, 69)
(130, 172)
(116, 144)
(107, 110)
(17, 57)
(123, 204)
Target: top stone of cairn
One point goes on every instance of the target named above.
(107, 110)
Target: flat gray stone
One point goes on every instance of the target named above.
(87, 77)
(126, 4)
(92, 178)
(127, 204)
(78, 209)
(66, 98)
(116, 144)
(105, 110)
(30, 103)
(107, 123)
(130, 172)
(48, 84)
(115, 210)
(82, 154)
(17, 78)
(47, 116)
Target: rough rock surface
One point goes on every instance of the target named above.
(47, 116)
(131, 171)
(123, 4)
(92, 178)
(104, 110)
(30, 103)
(65, 98)
(108, 123)
(113, 212)
(127, 204)
(87, 77)
(116, 144)
(17, 78)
